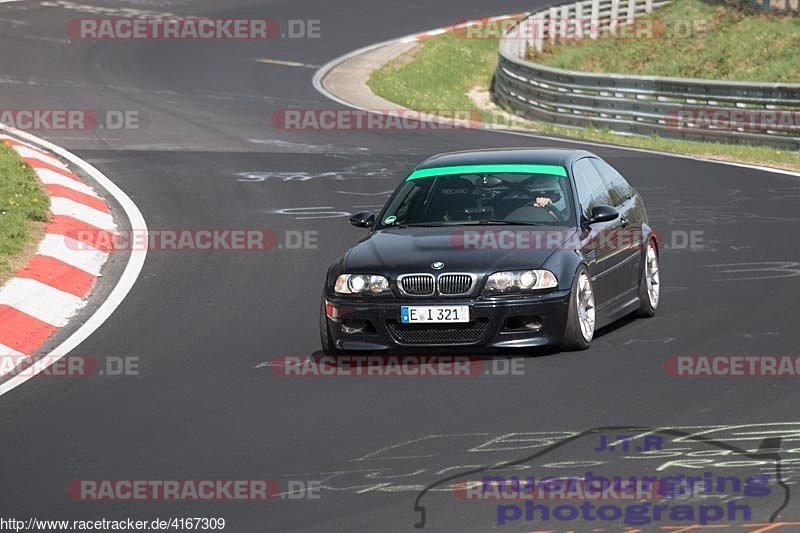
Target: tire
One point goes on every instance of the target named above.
(574, 336)
(328, 346)
(648, 301)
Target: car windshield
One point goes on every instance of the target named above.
(541, 197)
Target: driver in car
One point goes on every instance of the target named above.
(542, 208)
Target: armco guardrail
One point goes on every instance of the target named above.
(738, 112)
(782, 7)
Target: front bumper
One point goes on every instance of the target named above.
(489, 326)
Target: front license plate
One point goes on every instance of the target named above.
(415, 314)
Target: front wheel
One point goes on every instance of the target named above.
(579, 331)
(650, 285)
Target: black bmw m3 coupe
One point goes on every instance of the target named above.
(509, 248)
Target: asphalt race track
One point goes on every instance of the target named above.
(206, 404)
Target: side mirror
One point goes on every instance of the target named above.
(363, 220)
(603, 213)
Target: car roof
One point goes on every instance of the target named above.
(549, 156)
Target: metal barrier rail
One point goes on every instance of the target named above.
(782, 7)
(738, 112)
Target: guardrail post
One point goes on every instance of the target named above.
(648, 6)
(524, 37)
(578, 20)
(517, 49)
(563, 23)
(595, 21)
(553, 20)
(538, 37)
(614, 14)
(631, 11)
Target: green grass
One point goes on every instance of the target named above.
(724, 44)
(23, 202)
(440, 73)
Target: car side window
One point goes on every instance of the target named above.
(591, 188)
(619, 189)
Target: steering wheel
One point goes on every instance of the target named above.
(555, 213)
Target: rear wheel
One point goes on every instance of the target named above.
(326, 339)
(581, 314)
(650, 285)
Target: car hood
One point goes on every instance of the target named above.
(461, 248)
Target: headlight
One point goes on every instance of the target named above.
(361, 284)
(519, 281)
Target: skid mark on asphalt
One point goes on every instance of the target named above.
(13, 22)
(661, 340)
(29, 82)
(755, 336)
(769, 270)
(260, 177)
(284, 63)
(301, 148)
(357, 193)
(358, 171)
(310, 213)
(785, 193)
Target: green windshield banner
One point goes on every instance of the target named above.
(553, 170)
